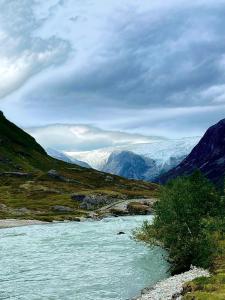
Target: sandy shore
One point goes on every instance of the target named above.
(9, 223)
(171, 288)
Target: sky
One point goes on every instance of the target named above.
(103, 73)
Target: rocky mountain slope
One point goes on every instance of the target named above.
(208, 156)
(35, 185)
(61, 156)
(129, 165)
(154, 158)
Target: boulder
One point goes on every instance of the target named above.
(116, 212)
(136, 208)
(91, 202)
(109, 178)
(23, 210)
(3, 207)
(54, 174)
(62, 209)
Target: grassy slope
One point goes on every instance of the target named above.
(19, 152)
(212, 288)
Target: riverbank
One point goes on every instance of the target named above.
(10, 223)
(61, 213)
(65, 254)
(172, 287)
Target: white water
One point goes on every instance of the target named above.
(77, 261)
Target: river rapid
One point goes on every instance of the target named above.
(78, 261)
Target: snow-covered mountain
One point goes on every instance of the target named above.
(129, 165)
(166, 153)
(61, 156)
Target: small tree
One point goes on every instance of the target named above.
(180, 221)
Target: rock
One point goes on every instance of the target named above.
(62, 209)
(91, 202)
(137, 208)
(3, 207)
(118, 212)
(120, 232)
(93, 215)
(78, 197)
(23, 210)
(54, 174)
(109, 178)
(76, 219)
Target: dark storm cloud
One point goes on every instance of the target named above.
(152, 59)
(146, 67)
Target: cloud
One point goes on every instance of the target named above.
(83, 137)
(165, 56)
(147, 67)
(22, 53)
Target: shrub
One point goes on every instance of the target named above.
(181, 223)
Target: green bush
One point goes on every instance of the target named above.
(182, 221)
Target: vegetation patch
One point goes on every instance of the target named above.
(190, 224)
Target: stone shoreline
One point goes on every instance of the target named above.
(10, 223)
(172, 287)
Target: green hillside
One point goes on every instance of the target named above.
(33, 184)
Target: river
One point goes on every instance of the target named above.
(77, 261)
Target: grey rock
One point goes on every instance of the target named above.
(56, 175)
(109, 178)
(62, 209)
(94, 201)
(3, 207)
(53, 173)
(78, 197)
(23, 210)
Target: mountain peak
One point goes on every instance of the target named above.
(208, 156)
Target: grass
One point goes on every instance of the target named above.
(39, 192)
(211, 288)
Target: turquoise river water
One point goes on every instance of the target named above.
(77, 261)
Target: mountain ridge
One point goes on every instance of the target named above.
(165, 153)
(34, 185)
(208, 156)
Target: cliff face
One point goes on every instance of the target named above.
(208, 156)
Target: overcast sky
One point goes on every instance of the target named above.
(139, 67)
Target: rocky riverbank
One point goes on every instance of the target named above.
(9, 223)
(172, 287)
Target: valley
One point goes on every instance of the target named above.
(35, 185)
